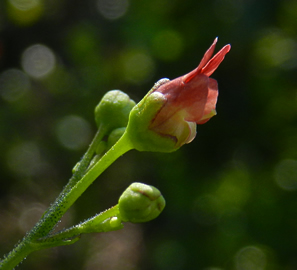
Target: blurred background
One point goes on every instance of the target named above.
(231, 194)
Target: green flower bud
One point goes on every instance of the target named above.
(113, 110)
(114, 136)
(140, 203)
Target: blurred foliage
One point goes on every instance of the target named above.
(231, 194)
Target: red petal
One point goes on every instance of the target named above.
(202, 63)
(213, 64)
(212, 98)
(207, 55)
(187, 99)
(208, 65)
(194, 98)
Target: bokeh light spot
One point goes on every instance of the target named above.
(73, 132)
(38, 61)
(112, 9)
(234, 189)
(30, 216)
(25, 12)
(25, 4)
(285, 174)
(24, 158)
(168, 45)
(138, 67)
(250, 258)
(13, 84)
(276, 50)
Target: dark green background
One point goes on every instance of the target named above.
(231, 194)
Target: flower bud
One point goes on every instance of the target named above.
(113, 110)
(140, 203)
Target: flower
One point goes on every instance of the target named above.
(190, 99)
(171, 110)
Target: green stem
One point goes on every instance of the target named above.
(16, 256)
(86, 159)
(98, 223)
(66, 198)
(83, 164)
(121, 147)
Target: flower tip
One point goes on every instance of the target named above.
(224, 51)
(228, 46)
(214, 44)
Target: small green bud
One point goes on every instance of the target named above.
(75, 168)
(111, 224)
(113, 110)
(114, 136)
(140, 203)
(115, 222)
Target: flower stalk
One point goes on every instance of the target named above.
(66, 198)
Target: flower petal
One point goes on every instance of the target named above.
(210, 106)
(214, 62)
(208, 54)
(192, 135)
(194, 98)
(176, 128)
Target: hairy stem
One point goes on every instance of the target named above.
(67, 197)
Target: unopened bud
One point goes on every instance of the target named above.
(113, 110)
(140, 203)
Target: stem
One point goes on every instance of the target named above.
(16, 256)
(87, 157)
(83, 164)
(66, 198)
(98, 223)
(121, 147)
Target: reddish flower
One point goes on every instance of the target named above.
(190, 99)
